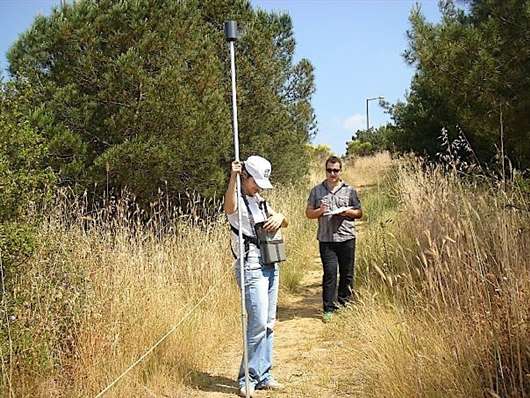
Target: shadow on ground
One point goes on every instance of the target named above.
(307, 305)
(210, 383)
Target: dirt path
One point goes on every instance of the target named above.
(299, 350)
(304, 362)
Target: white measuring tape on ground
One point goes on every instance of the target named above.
(164, 336)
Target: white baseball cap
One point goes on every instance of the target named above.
(260, 169)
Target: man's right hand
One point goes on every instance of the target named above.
(317, 212)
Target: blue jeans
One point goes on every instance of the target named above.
(261, 297)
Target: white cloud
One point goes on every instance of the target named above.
(354, 122)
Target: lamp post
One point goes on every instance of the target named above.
(367, 116)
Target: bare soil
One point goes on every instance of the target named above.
(303, 359)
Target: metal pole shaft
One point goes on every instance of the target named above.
(367, 117)
(234, 99)
(241, 248)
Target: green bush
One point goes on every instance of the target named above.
(25, 182)
(359, 148)
(319, 152)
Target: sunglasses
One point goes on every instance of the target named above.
(333, 171)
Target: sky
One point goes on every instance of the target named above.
(355, 47)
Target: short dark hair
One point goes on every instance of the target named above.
(244, 173)
(334, 159)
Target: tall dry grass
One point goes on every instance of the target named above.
(368, 171)
(101, 290)
(445, 289)
(387, 351)
(300, 235)
(102, 287)
(443, 280)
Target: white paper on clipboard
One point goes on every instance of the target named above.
(337, 211)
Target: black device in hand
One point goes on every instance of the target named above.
(272, 248)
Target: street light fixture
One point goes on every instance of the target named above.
(367, 116)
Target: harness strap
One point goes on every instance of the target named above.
(247, 240)
(250, 239)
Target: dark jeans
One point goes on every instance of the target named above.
(339, 255)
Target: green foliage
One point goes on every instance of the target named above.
(17, 241)
(420, 120)
(25, 185)
(359, 148)
(319, 152)
(137, 93)
(377, 137)
(46, 305)
(25, 182)
(22, 153)
(472, 73)
(367, 142)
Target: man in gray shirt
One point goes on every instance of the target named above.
(336, 205)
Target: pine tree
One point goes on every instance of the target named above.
(138, 93)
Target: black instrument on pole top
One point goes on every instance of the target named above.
(231, 30)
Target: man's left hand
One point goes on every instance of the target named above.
(351, 213)
(345, 213)
(273, 222)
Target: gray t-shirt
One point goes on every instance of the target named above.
(334, 228)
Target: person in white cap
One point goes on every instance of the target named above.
(261, 280)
